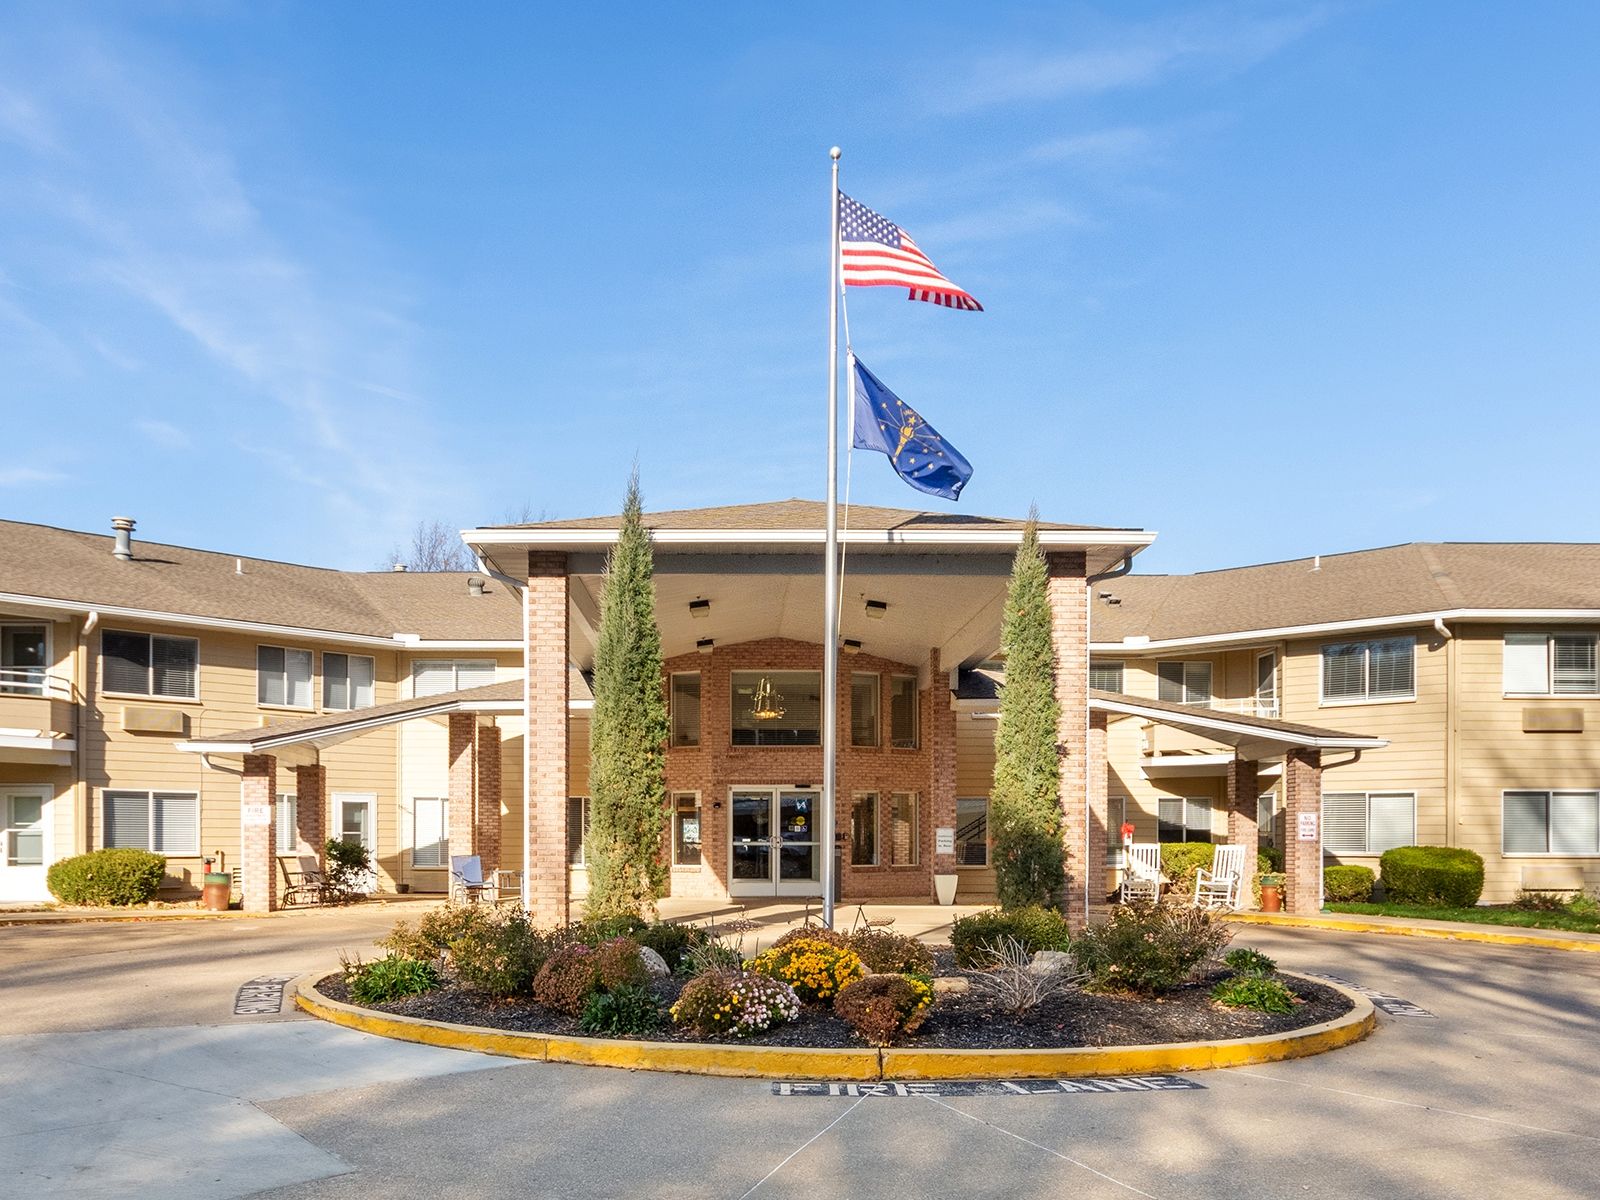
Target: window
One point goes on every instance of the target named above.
(24, 658)
(903, 731)
(864, 723)
(686, 829)
(1105, 676)
(284, 819)
(684, 697)
(864, 830)
(972, 832)
(1369, 670)
(1368, 822)
(145, 664)
(430, 834)
(904, 829)
(777, 708)
(22, 834)
(1116, 818)
(577, 828)
(1551, 664)
(434, 676)
(1267, 819)
(1183, 819)
(1550, 822)
(165, 822)
(283, 677)
(1267, 684)
(1185, 683)
(347, 682)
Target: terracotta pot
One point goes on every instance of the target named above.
(1271, 899)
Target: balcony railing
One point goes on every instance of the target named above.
(30, 681)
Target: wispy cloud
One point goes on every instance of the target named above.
(1136, 57)
(27, 476)
(1018, 219)
(164, 433)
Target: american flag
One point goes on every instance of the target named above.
(878, 253)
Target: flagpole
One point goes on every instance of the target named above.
(830, 571)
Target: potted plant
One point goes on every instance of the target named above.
(1271, 892)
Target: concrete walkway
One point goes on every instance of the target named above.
(1472, 931)
(763, 921)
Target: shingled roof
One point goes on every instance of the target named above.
(796, 514)
(1395, 581)
(78, 568)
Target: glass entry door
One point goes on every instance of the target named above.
(775, 842)
(357, 814)
(24, 843)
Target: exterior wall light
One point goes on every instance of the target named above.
(876, 609)
(705, 645)
(699, 608)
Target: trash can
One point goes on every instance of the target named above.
(218, 891)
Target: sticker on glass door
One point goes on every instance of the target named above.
(774, 836)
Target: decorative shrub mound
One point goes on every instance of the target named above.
(1148, 950)
(725, 1003)
(106, 878)
(1439, 875)
(1181, 862)
(618, 965)
(434, 933)
(882, 1008)
(497, 952)
(814, 933)
(624, 1010)
(670, 941)
(595, 930)
(816, 969)
(392, 977)
(886, 953)
(1347, 885)
(1245, 961)
(974, 938)
(567, 979)
(1254, 991)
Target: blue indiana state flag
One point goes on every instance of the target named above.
(886, 423)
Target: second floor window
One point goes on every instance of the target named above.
(1184, 683)
(1381, 670)
(1551, 664)
(23, 659)
(435, 676)
(685, 705)
(347, 681)
(903, 731)
(777, 708)
(148, 664)
(864, 710)
(283, 676)
(1105, 676)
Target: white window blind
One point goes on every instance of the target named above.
(1572, 665)
(1525, 664)
(143, 664)
(1564, 822)
(1574, 823)
(284, 819)
(1344, 822)
(433, 677)
(1369, 670)
(1105, 676)
(1368, 822)
(347, 681)
(283, 676)
(127, 820)
(1391, 821)
(1525, 822)
(430, 845)
(166, 822)
(1184, 682)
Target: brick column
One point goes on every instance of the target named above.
(258, 835)
(1098, 787)
(462, 756)
(1302, 861)
(488, 805)
(1244, 790)
(311, 811)
(941, 760)
(1069, 637)
(545, 744)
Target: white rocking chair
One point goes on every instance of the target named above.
(1219, 887)
(1142, 878)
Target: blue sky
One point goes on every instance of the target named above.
(1272, 279)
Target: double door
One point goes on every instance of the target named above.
(776, 844)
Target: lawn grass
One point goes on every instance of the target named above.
(1571, 922)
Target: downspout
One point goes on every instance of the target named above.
(82, 675)
(1451, 734)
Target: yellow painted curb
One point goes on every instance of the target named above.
(799, 1062)
(1492, 937)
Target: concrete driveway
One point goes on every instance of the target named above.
(123, 1072)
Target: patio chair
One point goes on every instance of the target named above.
(467, 881)
(1219, 887)
(306, 883)
(1142, 878)
(863, 921)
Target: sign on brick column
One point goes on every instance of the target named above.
(1244, 791)
(311, 810)
(545, 743)
(487, 754)
(1099, 795)
(1069, 637)
(1302, 851)
(461, 753)
(258, 875)
(941, 766)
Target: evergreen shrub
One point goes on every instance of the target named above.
(1347, 884)
(1438, 875)
(107, 878)
(975, 938)
(1148, 950)
(499, 952)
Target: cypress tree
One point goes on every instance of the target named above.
(1025, 805)
(628, 733)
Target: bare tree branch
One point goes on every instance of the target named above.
(435, 546)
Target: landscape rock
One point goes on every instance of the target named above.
(1050, 962)
(653, 962)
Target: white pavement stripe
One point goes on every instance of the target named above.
(801, 1147)
(1433, 1108)
(1037, 1146)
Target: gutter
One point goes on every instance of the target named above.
(1137, 643)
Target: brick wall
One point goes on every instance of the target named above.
(311, 810)
(258, 868)
(1302, 861)
(1069, 635)
(1244, 791)
(545, 744)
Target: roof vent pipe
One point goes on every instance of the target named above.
(124, 530)
(399, 566)
(1316, 562)
(475, 585)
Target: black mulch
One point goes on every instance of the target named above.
(963, 1021)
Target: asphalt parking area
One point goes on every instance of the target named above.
(1492, 1093)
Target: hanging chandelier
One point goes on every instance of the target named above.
(767, 704)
